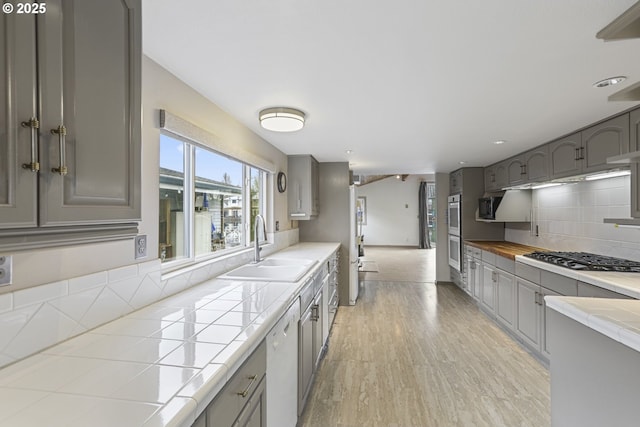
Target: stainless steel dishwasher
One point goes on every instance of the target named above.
(282, 369)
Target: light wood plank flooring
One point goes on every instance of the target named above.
(411, 353)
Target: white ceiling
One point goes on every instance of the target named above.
(411, 86)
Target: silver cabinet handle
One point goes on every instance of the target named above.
(244, 392)
(315, 313)
(33, 124)
(61, 131)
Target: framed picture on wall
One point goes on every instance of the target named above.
(361, 210)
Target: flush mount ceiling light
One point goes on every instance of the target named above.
(282, 119)
(498, 142)
(610, 81)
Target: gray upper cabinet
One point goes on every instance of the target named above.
(634, 136)
(303, 187)
(531, 166)
(606, 139)
(86, 146)
(564, 156)
(587, 151)
(496, 177)
(455, 182)
(537, 164)
(18, 144)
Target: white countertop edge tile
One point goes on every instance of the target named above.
(608, 280)
(600, 319)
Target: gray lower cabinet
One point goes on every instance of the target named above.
(72, 111)
(489, 277)
(533, 285)
(506, 299)
(587, 151)
(529, 312)
(242, 400)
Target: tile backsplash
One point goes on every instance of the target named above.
(570, 218)
(35, 318)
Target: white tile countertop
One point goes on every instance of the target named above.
(615, 318)
(622, 283)
(157, 367)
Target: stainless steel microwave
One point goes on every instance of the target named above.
(487, 207)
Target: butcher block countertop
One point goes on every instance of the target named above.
(504, 249)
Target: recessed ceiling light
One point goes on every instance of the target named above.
(499, 142)
(462, 162)
(282, 119)
(349, 151)
(610, 81)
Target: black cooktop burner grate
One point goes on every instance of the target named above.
(586, 261)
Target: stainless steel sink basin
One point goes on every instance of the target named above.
(272, 270)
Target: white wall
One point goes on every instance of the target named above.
(62, 292)
(569, 218)
(392, 211)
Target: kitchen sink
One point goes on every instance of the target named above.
(272, 270)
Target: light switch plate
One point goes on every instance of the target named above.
(141, 246)
(5, 270)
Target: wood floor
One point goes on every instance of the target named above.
(413, 353)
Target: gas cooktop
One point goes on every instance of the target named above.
(586, 261)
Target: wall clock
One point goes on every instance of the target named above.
(282, 182)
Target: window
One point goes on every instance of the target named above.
(223, 197)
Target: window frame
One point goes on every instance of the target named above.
(189, 188)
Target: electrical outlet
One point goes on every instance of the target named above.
(141, 246)
(5, 270)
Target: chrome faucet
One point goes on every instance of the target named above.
(257, 240)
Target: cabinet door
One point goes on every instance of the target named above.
(502, 178)
(455, 182)
(544, 327)
(303, 188)
(477, 279)
(528, 312)
(564, 156)
(18, 185)
(516, 171)
(506, 299)
(318, 343)
(254, 413)
(610, 138)
(488, 287)
(89, 57)
(305, 358)
(537, 164)
(634, 118)
(490, 179)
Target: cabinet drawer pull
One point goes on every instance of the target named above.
(577, 157)
(315, 312)
(581, 153)
(33, 124)
(245, 392)
(61, 131)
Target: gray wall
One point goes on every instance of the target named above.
(442, 247)
(333, 222)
